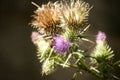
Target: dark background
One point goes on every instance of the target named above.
(18, 60)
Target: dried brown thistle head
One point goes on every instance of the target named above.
(74, 13)
(46, 18)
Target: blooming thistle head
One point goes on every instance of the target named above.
(60, 44)
(102, 51)
(74, 13)
(46, 18)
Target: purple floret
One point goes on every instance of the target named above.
(100, 36)
(60, 44)
(35, 36)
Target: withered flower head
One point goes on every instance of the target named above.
(46, 18)
(74, 13)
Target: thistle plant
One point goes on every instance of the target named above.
(60, 29)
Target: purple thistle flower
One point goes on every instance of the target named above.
(101, 36)
(35, 36)
(60, 44)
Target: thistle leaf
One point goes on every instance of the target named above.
(78, 55)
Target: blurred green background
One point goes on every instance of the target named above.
(18, 60)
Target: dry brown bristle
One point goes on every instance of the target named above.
(46, 17)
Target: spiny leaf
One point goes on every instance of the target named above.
(117, 63)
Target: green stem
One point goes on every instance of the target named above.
(88, 69)
(69, 56)
(84, 67)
